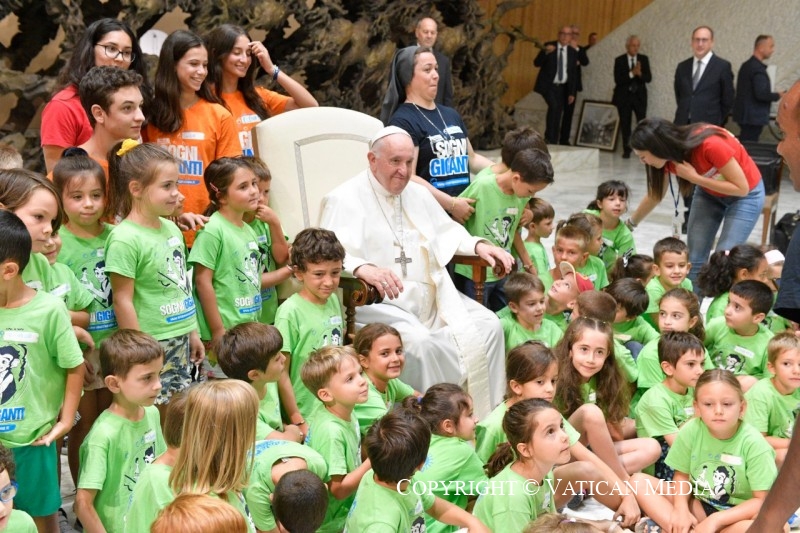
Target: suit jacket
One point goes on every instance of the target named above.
(548, 66)
(753, 94)
(583, 60)
(627, 89)
(712, 100)
(444, 94)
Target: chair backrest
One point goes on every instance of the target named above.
(309, 152)
(769, 162)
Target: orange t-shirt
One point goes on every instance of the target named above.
(208, 133)
(246, 118)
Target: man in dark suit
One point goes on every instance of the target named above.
(703, 89)
(569, 109)
(631, 76)
(557, 81)
(754, 91)
(426, 32)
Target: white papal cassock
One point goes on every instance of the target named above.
(446, 336)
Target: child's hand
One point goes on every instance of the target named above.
(708, 525)
(628, 511)
(83, 337)
(60, 429)
(196, 350)
(682, 520)
(266, 214)
(191, 221)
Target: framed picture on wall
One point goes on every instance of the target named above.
(598, 125)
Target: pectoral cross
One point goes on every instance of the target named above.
(403, 260)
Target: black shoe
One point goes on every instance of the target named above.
(683, 228)
(626, 155)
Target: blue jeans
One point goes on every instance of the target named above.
(738, 216)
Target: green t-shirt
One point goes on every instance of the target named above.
(637, 330)
(538, 256)
(740, 355)
(339, 443)
(232, 253)
(113, 456)
(156, 259)
(66, 286)
(496, 216)
(655, 290)
(306, 326)
(559, 320)
(377, 509)
(511, 508)
(617, 242)
(269, 413)
(378, 403)
(595, 270)
(37, 347)
(259, 491)
(771, 412)
(625, 362)
(20, 522)
(723, 473)
(662, 412)
(650, 372)
(489, 433)
(451, 460)
(37, 275)
(589, 391)
(269, 295)
(86, 259)
(151, 494)
(717, 307)
(515, 333)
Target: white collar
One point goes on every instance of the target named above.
(704, 60)
(378, 188)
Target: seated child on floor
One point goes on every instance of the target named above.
(671, 266)
(299, 503)
(523, 318)
(540, 227)
(592, 267)
(562, 294)
(610, 203)
(725, 269)
(637, 266)
(630, 327)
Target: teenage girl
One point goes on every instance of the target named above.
(225, 256)
(145, 257)
(451, 458)
(611, 203)
(187, 118)
(637, 266)
(82, 186)
(593, 395)
(728, 463)
(215, 456)
(380, 352)
(232, 72)
(724, 269)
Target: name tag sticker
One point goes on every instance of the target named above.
(252, 245)
(336, 320)
(744, 351)
(173, 241)
(100, 252)
(193, 135)
(592, 397)
(689, 411)
(150, 436)
(20, 336)
(734, 460)
(512, 211)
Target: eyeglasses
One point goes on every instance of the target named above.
(8, 492)
(112, 52)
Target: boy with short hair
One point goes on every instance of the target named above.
(311, 318)
(592, 266)
(738, 341)
(11, 520)
(772, 403)
(671, 265)
(397, 445)
(563, 293)
(503, 196)
(571, 246)
(540, 227)
(41, 376)
(664, 408)
(251, 352)
(632, 302)
(333, 374)
(126, 437)
(523, 318)
(299, 502)
(9, 157)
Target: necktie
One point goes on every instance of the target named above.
(696, 75)
(633, 62)
(560, 64)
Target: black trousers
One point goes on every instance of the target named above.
(626, 110)
(556, 100)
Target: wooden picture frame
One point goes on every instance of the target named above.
(598, 125)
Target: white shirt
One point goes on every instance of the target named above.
(561, 49)
(703, 64)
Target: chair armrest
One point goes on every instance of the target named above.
(478, 272)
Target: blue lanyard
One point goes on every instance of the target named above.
(675, 198)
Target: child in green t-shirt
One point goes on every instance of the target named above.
(271, 242)
(252, 353)
(311, 318)
(724, 464)
(11, 520)
(41, 373)
(451, 458)
(562, 293)
(503, 190)
(126, 437)
(637, 266)
(663, 409)
(671, 266)
(523, 318)
(630, 327)
(610, 203)
(334, 375)
(380, 352)
(540, 227)
(726, 268)
(738, 341)
(592, 266)
(387, 498)
(299, 502)
(773, 402)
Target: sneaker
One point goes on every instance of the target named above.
(576, 501)
(63, 522)
(646, 525)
